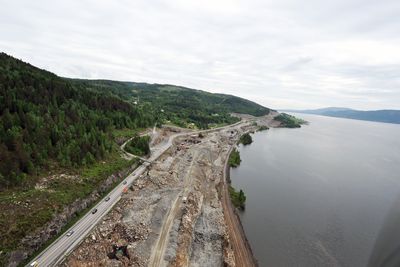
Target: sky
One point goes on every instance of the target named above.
(281, 54)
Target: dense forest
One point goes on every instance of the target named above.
(179, 105)
(58, 137)
(46, 118)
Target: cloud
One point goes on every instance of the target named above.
(282, 54)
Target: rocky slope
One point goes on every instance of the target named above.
(172, 215)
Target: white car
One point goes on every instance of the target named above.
(34, 264)
(69, 233)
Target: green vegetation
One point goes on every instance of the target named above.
(289, 121)
(47, 127)
(126, 132)
(246, 139)
(262, 128)
(70, 123)
(139, 146)
(51, 125)
(179, 105)
(101, 170)
(44, 117)
(238, 198)
(234, 158)
(25, 210)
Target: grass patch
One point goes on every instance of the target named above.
(139, 146)
(126, 132)
(76, 218)
(103, 169)
(24, 209)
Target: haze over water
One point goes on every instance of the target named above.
(319, 195)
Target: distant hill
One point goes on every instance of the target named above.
(180, 105)
(387, 115)
(57, 141)
(45, 118)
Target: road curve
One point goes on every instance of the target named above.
(62, 246)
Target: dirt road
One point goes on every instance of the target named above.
(156, 259)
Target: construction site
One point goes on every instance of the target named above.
(178, 212)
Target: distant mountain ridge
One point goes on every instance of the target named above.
(384, 115)
(181, 105)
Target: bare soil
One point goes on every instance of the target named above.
(176, 214)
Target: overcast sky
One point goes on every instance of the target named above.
(281, 53)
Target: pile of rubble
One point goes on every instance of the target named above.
(191, 211)
(177, 199)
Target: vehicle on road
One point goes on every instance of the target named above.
(94, 211)
(125, 182)
(107, 199)
(34, 264)
(69, 233)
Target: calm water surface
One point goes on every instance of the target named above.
(319, 195)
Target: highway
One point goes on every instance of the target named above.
(61, 247)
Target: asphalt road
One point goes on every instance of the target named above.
(62, 246)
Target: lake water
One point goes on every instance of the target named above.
(319, 195)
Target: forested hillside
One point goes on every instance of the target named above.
(44, 117)
(57, 141)
(48, 119)
(179, 105)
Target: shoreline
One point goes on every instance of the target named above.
(238, 239)
(242, 249)
(243, 252)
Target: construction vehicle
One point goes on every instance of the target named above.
(125, 190)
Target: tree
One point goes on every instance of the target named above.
(242, 197)
(234, 158)
(246, 139)
(44, 117)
